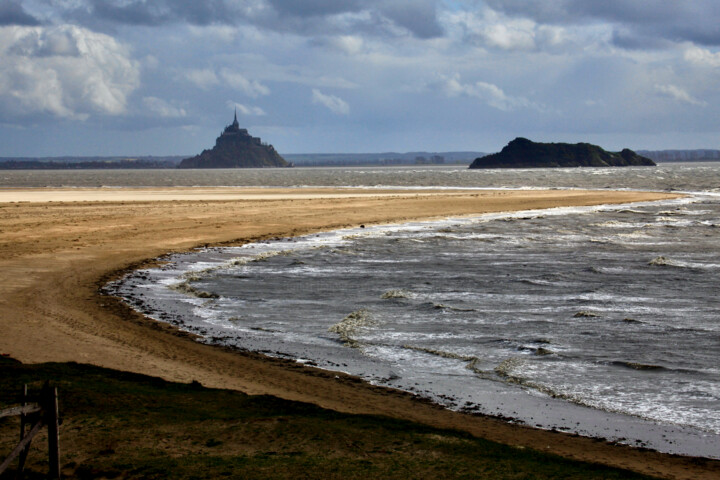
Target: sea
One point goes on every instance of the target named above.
(599, 321)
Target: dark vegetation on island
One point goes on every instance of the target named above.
(297, 159)
(125, 425)
(235, 148)
(524, 153)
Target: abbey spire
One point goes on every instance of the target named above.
(234, 127)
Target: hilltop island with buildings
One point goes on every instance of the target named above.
(236, 148)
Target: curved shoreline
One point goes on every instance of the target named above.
(57, 254)
(172, 293)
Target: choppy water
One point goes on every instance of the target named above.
(602, 321)
(684, 177)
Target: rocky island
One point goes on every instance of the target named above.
(235, 148)
(524, 153)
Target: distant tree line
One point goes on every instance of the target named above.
(701, 155)
(86, 164)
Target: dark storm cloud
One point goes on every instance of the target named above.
(572, 11)
(630, 40)
(132, 14)
(304, 17)
(157, 12)
(697, 21)
(417, 16)
(12, 13)
(303, 8)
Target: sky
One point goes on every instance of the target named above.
(163, 77)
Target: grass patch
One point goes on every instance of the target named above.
(124, 425)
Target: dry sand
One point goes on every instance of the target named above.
(58, 246)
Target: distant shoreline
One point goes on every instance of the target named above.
(309, 159)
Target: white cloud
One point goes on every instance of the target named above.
(207, 78)
(163, 108)
(249, 110)
(202, 78)
(515, 35)
(223, 33)
(348, 44)
(677, 93)
(701, 56)
(645, 23)
(487, 92)
(251, 88)
(491, 29)
(333, 103)
(66, 71)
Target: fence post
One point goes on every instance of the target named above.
(23, 424)
(51, 410)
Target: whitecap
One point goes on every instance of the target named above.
(351, 324)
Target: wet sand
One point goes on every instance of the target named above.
(59, 246)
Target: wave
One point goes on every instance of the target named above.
(672, 222)
(634, 234)
(637, 366)
(630, 210)
(449, 308)
(618, 224)
(507, 371)
(514, 218)
(261, 257)
(540, 282)
(541, 351)
(197, 275)
(631, 320)
(683, 211)
(471, 360)
(187, 289)
(348, 327)
(396, 294)
(192, 276)
(663, 261)
(505, 368)
(607, 270)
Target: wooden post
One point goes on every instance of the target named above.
(51, 410)
(23, 423)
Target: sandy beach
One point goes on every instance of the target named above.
(59, 246)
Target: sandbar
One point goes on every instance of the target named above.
(58, 247)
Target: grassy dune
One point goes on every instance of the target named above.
(123, 425)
